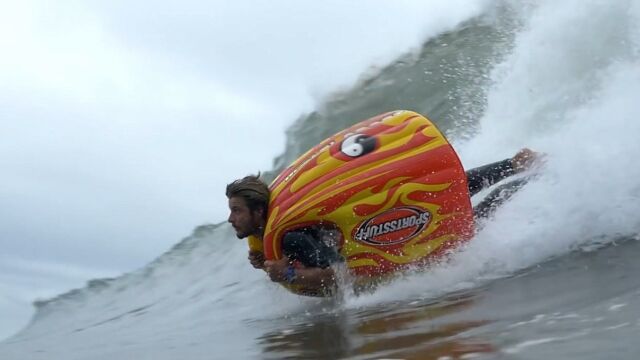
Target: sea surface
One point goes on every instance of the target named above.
(553, 275)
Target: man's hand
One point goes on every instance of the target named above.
(277, 269)
(256, 258)
(310, 277)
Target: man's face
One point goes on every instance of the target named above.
(243, 220)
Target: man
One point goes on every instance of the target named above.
(248, 205)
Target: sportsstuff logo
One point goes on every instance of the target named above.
(393, 226)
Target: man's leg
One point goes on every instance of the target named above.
(497, 197)
(483, 177)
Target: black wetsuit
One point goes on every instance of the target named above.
(305, 246)
(483, 177)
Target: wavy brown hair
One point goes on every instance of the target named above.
(253, 190)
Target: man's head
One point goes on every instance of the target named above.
(248, 205)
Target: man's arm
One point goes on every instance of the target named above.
(315, 277)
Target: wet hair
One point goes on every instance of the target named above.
(253, 190)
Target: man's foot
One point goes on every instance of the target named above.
(524, 159)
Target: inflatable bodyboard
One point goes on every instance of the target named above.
(391, 191)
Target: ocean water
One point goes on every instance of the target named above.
(552, 275)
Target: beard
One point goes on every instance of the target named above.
(252, 229)
(241, 235)
(251, 225)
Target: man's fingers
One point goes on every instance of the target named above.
(256, 258)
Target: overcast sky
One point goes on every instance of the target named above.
(122, 121)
